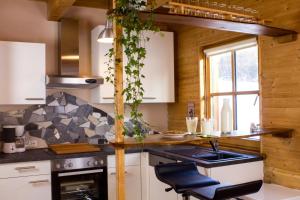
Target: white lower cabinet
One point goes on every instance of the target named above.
(23, 188)
(239, 173)
(135, 176)
(132, 183)
(28, 180)
(235, 174)
(157, 188)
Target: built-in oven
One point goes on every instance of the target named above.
(79, 179)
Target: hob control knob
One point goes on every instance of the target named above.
(101, 162)
(68, 165)
(89, 163)
(96, 162)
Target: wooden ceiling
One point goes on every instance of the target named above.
(57, 8)
(103, 4)
(266, 8)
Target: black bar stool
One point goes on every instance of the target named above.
(182, 176)
(218, 192)
(185, 179)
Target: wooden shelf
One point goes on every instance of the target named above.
(160, 140)
(218, 24)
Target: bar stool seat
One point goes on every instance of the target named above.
(185, 179)
(181, 176)
(222, 191)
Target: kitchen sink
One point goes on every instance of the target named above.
(216, 156)
(209, 155)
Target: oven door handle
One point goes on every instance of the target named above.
(63, 174)
(114, 173)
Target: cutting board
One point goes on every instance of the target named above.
(73, 148)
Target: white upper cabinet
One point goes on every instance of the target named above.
(22, 73)
(158, 70)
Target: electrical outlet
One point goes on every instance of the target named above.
(191, 109)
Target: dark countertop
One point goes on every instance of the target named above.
(45, 154)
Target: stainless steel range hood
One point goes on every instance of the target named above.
(68, 56)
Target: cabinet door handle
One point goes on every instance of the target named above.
(29, 168)
(39, 182)
(107, 97)
(34, 99)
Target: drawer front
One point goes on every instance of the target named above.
(26, 188)
(131, 159)
(25, 169)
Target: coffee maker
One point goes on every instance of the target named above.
(20, 138)
(9, 139)
(13, 138)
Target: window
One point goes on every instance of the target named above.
(232, 73)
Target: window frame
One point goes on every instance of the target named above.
(208, 94)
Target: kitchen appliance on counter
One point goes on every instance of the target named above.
(83, 178)
(20, 138)
(9, 139)
(14, 139)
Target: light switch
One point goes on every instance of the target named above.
(191, 109)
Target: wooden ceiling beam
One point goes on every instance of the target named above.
(102, 4)
(57, 8)
(254, 29)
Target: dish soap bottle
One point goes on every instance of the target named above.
(226, 117)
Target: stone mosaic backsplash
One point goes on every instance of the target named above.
(65, 118)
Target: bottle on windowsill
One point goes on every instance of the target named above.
(253, 128)
(226, 117)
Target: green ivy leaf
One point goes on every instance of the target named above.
(126, 14)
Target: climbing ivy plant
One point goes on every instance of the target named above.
(126, 15)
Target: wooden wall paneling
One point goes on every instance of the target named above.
(241, 145)
(281, 108)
